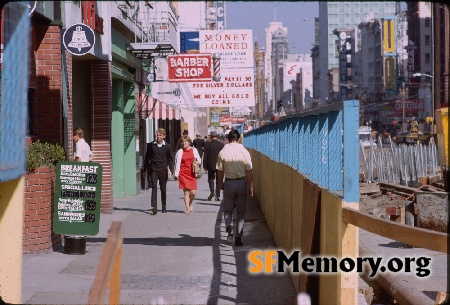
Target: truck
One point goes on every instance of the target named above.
(412, 133)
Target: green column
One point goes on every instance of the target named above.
(129, 121)
(117, 138)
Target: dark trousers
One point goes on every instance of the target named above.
(212, 174)
(161, 175)
(235, 196)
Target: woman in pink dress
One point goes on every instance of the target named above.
(183, 171)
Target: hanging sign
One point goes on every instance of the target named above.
(79, 39)
(77, 198)
(189, 67)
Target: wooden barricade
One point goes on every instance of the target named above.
(109, 270)
(418, 237)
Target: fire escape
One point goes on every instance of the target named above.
(154, 25)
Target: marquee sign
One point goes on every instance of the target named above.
(412, 107)
(390, 55)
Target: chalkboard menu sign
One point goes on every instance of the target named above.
(77, 198)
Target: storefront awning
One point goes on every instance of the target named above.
(150, 107)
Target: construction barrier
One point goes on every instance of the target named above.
(306, 170)
(306, 180)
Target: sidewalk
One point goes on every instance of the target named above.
(175, 258)
(168, 258)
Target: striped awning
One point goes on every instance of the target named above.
(145, 104)
(151, 107)
(164, 111)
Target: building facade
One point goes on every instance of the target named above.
(297, 81)
(342, 15)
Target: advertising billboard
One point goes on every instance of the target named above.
(232, 81)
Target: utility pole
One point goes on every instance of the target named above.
(437, 45)
(403, 93)
(258, 55)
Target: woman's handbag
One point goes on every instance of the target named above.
(196, 169)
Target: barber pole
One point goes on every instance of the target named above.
(216, 67)
(145, 105)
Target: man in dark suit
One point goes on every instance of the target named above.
(158, 159)
(199, 143)
(212, 150)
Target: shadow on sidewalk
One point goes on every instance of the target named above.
(183, 241)
(232, 282)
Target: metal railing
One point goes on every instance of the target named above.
(148, 25)
(400, 163)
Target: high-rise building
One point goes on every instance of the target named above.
(276, 50)
(342, 15)
(421, 42)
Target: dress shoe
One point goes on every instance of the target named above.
(211, 196)
(217, 199)
(238, 242)
(230, 235)
(164, 211)
(154, 211)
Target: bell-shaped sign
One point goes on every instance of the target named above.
(79, 39)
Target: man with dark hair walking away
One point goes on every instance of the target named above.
(235, 165)
(209, 164)
(199, 143)
(158, 159)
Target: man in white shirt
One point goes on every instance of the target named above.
(234, 163)
(82, 152)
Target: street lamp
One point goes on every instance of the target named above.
(418, 74)
(422, 74)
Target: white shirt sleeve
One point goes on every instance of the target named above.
(178, 156)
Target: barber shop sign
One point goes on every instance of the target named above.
(79, 39)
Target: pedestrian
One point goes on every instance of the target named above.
(199, 143)
(183, 171)
(235, 165)
(83, 151)
(209, 164)
(159, 161)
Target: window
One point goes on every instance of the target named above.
(427, 58)
(427, 22)
(427, 40)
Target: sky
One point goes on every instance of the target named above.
(298, 17)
